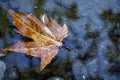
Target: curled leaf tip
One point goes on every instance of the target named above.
(10, 12)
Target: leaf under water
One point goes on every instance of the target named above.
(46, 34)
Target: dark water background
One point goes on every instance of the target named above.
(93, 42)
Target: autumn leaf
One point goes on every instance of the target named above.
(2, 52)
(46, 34)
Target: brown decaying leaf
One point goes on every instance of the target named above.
(46, 34)
(2, 52)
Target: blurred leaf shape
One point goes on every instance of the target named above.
(47, 35)
(2, 53)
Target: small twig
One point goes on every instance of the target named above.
(67, 47)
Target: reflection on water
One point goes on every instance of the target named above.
(93, 40)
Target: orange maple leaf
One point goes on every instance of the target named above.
(46, 34)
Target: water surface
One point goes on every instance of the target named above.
(93, 42)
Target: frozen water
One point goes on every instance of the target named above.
(79, 71)
(79, 38)
(55, 78)
(19, 60)
(2, 69)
